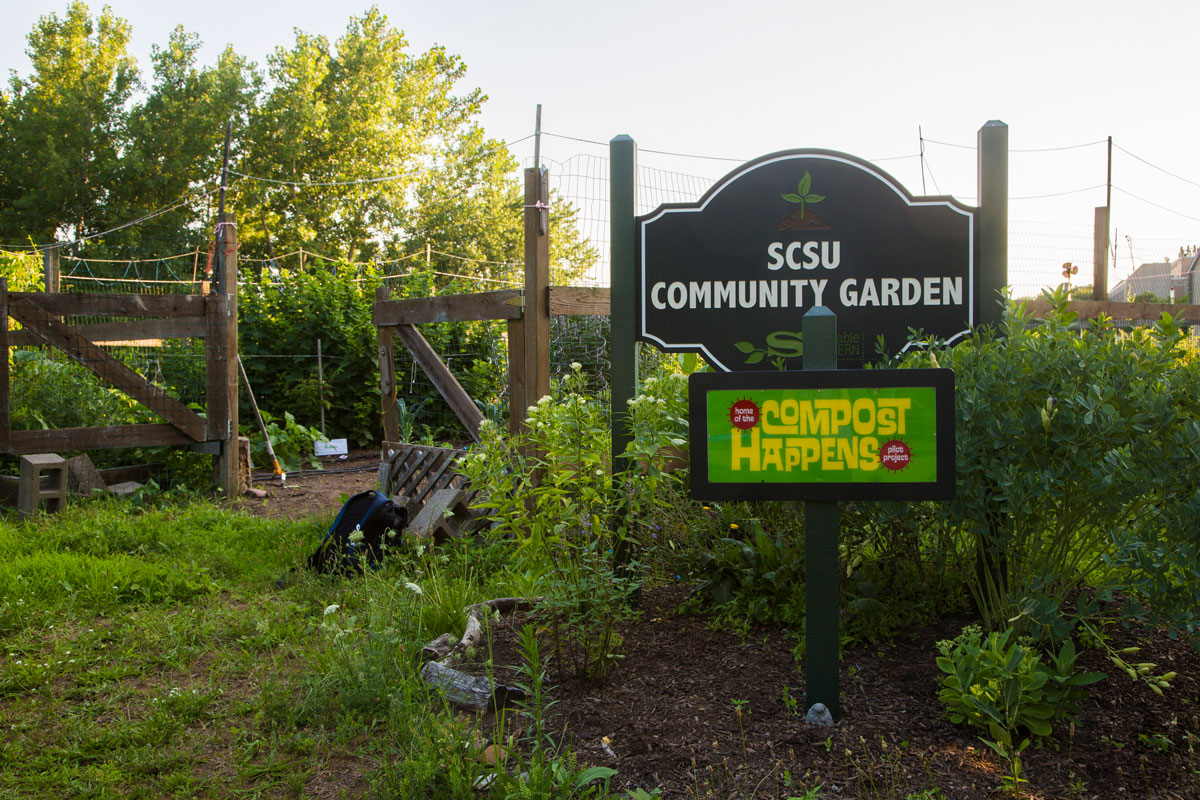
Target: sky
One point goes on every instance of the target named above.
(737, 80)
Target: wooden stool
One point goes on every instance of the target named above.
(43, 477)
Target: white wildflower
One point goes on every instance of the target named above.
(331, 609)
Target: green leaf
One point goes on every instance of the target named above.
(1039, 727)
(745, 347)
(593, 774)
(813, 198)
(756, 357)
(792, 198)
(805, 184)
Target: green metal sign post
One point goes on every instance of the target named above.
(822, 661)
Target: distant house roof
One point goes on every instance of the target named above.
(1158, 278)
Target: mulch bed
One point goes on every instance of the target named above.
(669, 717)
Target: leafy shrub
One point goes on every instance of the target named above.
(1005, 689)
(291, 441)
(550, 491)
(1069, 444)
(760, 578)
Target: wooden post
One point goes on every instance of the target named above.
(622, 356)
(321, 385)
(518, 399)
(387, 375)
(1100, 255)
(537, 285)
(5, 418)
(993, 221)
(622, 353)
(222, 346)
(51, 268)
(821, 643)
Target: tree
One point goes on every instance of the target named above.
(340, 117)
(63, 129)
(175, 144)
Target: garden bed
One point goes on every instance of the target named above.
(702, 712)
(669, 715)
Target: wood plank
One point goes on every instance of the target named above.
(228, 465)
(96, 438)
(518, 401)
(1091, 309)
(387, 372)
(24, 309)
(442, 378)
(128, 333)
(537, 285)
(505, 304)
(579, 301)
(117, 305)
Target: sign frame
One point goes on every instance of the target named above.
(710, 219)
(941, 380)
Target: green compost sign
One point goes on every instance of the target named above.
(823, 435)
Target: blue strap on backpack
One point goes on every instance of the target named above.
(378, 501)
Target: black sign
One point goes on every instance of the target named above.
(732, 275)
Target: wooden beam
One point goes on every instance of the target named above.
(1091, 309)
(96, 438)
(222, 363)
(518, 401)
(116, 305)
(537, 284)
(25, 310)
(128, 333)
(573, 301)
(504, 304)
(51, 269)
(387, 372)
(442, 378)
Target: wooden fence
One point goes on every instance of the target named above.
(211, 317)
(397, 319)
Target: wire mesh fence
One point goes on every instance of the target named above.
(477, 352)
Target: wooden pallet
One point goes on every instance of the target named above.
(416, 471)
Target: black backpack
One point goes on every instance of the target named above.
(370, 513)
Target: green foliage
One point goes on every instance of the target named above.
(1069, 440)
(760, 576)
(61, 130)
(1005, 689)
(280, 318)
(49, 391)
(23, 271)
(291, 441)
(551, 491)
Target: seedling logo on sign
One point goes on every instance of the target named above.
(732, 275)
(873, 434)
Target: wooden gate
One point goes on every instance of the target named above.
(137, 319)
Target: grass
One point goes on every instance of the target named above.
(149, 653)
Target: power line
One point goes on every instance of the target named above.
(362, 181)
(1060, 194)
(1155, 166)
(1156, 205)
(1021, 149)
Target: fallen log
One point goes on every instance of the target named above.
(469, 691)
